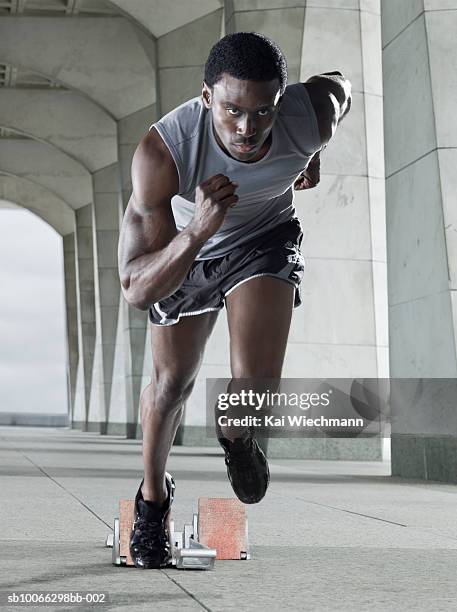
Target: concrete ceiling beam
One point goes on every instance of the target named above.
(108, 58)
(157, 18)
(39, 200)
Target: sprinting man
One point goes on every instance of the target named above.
(211, 221)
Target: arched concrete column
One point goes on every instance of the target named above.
(94, 404)
(49, 167)
(419, 57)
(92, 291)
(91, 138)
(38, 200)
(110, 46)
(30, 195)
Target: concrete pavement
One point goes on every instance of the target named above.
(328, 535)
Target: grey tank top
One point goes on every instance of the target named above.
(265, 187)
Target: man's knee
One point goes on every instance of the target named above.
(166, 394)
(256, 373)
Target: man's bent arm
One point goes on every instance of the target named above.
(330, 95)
(153, 257)
(154, 276)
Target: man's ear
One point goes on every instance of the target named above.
(206, 95)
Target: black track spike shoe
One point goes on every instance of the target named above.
(247, 468)
(150, 546)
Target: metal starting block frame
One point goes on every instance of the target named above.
(186, 550)
(222, 524)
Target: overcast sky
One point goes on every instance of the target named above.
(32, 324)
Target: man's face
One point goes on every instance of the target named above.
(243, 114)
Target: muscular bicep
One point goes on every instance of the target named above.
(148, 224)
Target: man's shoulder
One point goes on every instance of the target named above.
(297, 116)
(181, 123)
(294, 98)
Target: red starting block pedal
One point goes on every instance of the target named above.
(218, 531)
(223, 525)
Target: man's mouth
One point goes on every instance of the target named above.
(245, 148)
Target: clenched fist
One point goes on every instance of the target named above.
(212, 199)
(310, 177)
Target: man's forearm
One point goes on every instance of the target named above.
(310, 176)
(155, 276)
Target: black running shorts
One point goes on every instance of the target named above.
(275, 253)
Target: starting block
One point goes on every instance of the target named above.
(218, 531)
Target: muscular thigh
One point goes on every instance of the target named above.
(259, 312)
(177, 350)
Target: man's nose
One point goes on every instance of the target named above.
(246, 127)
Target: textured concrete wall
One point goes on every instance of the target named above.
(182, 56)
(419, 57)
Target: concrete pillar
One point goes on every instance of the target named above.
(342, 328)
(134, 329)
(419, 57)
(340, 331)
(71, 318)
(280, 20)
(107, 293)
(182, 55)
(133, 322)
(86, 317)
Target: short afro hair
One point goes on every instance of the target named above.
(247, 56)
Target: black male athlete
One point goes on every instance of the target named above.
(210, 222)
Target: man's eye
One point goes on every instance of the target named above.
(264, 112)
(232, 111)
